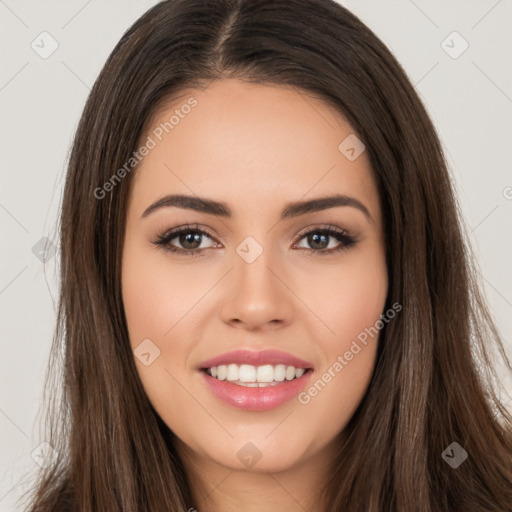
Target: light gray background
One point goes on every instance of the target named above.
(469, 99)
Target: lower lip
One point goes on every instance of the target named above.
(256, 399)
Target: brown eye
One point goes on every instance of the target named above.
(187, 240)
(319, 240)
(184, 240)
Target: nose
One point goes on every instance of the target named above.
(257, 296)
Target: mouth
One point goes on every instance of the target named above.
(253, 380)
(252, 376)
(255, 388)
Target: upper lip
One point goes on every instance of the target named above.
(256, 358)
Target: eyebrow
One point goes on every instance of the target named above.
(291, 210)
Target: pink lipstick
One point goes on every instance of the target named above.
(256, 380)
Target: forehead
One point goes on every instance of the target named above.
(258, 143)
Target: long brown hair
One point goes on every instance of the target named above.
(432, 382)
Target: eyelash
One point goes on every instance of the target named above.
(163, 240)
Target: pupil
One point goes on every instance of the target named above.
(316, 238)
(192, 238)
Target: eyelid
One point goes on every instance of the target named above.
(321, 227)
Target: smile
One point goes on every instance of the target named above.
(255, 376)
(256, 395)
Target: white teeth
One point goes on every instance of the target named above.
(246, 373)
(222, 372)
(232, 372)
(255, 376)
(280, 372)
(265, 373)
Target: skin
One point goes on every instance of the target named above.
(256, 148)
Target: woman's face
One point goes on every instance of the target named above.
(261, 274)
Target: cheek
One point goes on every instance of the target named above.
(350, 305)
(346, 298)
(335, 392)
(156, 295)
(158, 301)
